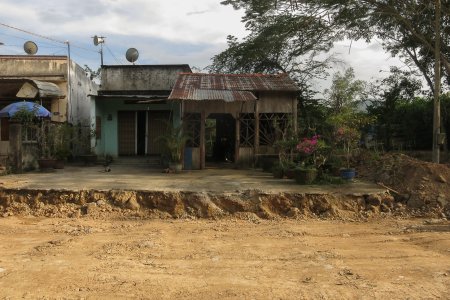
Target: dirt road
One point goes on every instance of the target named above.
(44, 258)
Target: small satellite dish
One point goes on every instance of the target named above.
(132, 55)
(30, 47)
(98, 40)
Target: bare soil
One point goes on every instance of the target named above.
(247, 244)
(231, 258)
(416, 183)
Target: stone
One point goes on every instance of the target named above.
(442, 200)
(373, 200)
(91, 207)
(293, 212)
(132, 204)
(385, 208)
(415, 202)
(101, 202)
(442, 179)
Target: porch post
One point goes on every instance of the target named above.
(202, 140)
(237, 141)
(256, 141)
(294, 114)
(15, 146)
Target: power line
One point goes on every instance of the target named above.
(32, 33)
(45, 37)
(109, 50)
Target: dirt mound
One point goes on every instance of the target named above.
(153, 204)
(417, 183)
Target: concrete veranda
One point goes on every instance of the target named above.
(123, 177)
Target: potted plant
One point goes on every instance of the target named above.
(174, 141)
(45, 144)
(349, 138)
(347, 124)
(307, 172)
(285, 147)
(62, 140)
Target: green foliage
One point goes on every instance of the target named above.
(279, 40)
(25, 116)
(345, 91)
(406, 28)
(174, 141)
(399, 88)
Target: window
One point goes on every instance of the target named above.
(4, 129)
(29, 134)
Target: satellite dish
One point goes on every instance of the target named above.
(30, 47)
(98, 40)
(132, 55)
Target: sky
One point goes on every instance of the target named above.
(163, 31)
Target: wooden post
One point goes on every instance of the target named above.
(256, 142)
(15, 146)
(295, 114)
(202, 140)
(237, 141)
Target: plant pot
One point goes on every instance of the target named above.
(46, 163)
(289, 173)
(176, 166)
(59, 164)
(347, 174)
(277, 172)
(305, 176)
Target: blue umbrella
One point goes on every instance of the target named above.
(10, 110)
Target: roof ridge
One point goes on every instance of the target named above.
(237, 75)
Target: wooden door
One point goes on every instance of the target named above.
(157, 126)
(127, 132)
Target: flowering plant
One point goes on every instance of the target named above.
(310, 147)
(349, 137)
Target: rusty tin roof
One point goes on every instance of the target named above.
(228, 87)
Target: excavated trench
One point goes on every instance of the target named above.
(159, 204)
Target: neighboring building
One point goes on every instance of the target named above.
(65, 92)
(231, 117)
(131, 109)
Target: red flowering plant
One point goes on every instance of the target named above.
(309, 150)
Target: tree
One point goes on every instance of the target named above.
(280, 40)
(345, 91)
(398, 88)
(406, 27)
(411, 29)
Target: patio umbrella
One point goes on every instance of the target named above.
(10, 110)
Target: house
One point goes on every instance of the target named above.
(56, 82)
(131, 109)
(231, 117)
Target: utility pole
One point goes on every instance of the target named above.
(437, 84)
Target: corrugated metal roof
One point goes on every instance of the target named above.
(228, 87)
(209, 94)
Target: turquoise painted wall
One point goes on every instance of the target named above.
(109, 144)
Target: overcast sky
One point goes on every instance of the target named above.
(163, 31)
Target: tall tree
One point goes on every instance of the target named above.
(406, 27)
(280, 40)
(345, 91)
(399, 88)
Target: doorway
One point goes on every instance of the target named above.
(141, 132)
(220, 135)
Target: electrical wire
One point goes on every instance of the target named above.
(44, 37)
(112, 54)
